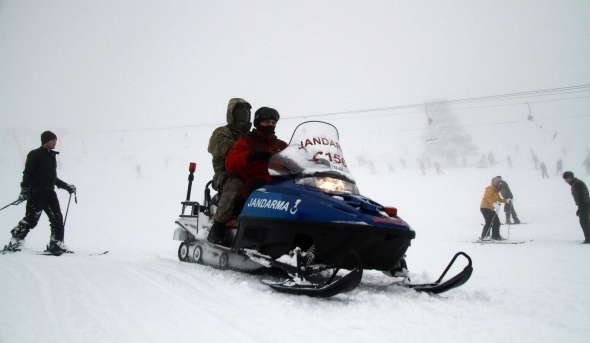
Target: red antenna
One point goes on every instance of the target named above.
(191, 168)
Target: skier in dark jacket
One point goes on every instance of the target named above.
(249, 156)
(229, 186)
(509, 206)
(580, 194)
(38, 189)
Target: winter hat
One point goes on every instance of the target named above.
(264, 113)
(568, 175)
(47, 136)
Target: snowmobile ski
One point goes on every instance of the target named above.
(301, 286)
(437, 287)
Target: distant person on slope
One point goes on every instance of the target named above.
(490, 198)
(580, 194)
(544, 171)
(230, 187)
(249, 157)
(38, 190)
(509, 206)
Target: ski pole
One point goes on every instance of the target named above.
(510, 213)
(67, 209)
(12, 203)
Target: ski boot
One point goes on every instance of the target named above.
(58, 247)
(216, 233)
(14, 245)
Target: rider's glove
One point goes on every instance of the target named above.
(24, 194)
(509, 201)
(259, 154)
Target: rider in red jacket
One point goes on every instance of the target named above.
(249, 156)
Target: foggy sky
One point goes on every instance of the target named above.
(88, 65)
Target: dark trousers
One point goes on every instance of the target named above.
(585, 222)
(509, 210)
(492, 221)
(41, 201)
(231, 195)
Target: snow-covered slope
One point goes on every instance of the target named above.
(140, 292)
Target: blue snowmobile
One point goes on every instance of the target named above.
(310, 222)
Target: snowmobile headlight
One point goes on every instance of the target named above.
(329, 184)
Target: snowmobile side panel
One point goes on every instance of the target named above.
(282, 215)
(285, 199)
(380, 248)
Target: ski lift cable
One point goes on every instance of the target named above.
(462, 126)
(419, 111)
(477, 99)
(508, 96)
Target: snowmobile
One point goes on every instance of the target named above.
(310, 222)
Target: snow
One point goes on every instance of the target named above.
(141, 292)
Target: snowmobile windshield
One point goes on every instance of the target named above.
(314, 157)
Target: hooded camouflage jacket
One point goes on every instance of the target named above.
(223, 139)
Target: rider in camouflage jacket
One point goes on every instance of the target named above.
(230, 186)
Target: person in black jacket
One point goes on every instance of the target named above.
(580, 194)
(38, 189)
(509, 206)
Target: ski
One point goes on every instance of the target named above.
(48, 253)
(509, 224)
(99, 253)
(495, 242)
